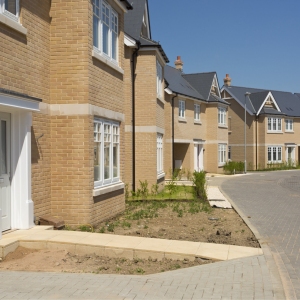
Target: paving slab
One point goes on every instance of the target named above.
(216, 198)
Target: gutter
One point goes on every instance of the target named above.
(173, 138)
(134, 56)
(256, 149)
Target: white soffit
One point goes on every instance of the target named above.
(128, 41)
(168, 91)
(19, 103)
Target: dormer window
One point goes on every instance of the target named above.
(10, 8)
(105, 30)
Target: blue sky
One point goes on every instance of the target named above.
(257, 42)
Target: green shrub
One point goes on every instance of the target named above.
(233, 167)
(199, 181)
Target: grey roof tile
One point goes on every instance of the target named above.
(288, 103)
(257, 99)
(271, 111)
(201, 82)
(179, 85)
(133, 19)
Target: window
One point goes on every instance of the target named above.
(181, 106)
(274, 124)
(159, 80)
(222, 116)
(222, 154)
(10, 8)
(274, 154)
(159, 153)
(196, 112)
(288, 125)
(229, 153)
(106, 152)
(105, 30)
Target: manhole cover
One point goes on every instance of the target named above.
(292, 183)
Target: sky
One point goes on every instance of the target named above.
(256, 42)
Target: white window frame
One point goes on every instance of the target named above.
(274, 150)
(99, 49)
(274, 124)
(222, 115)
(160, 164)
(113, 139)
(159, 80)
(221, 154)
(289, 125)
(181, 109)
(9, 14)
(196, 112)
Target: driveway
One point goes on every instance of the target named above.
(270, 202)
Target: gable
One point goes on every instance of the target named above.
(215, 87)
(146, 24)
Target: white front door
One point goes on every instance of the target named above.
(5, 199)
(198, 157)
(290, 155)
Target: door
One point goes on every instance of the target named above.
(290, 155)
(198, 157)
(5, 205)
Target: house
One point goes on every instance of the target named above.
(145, 60)
(62, 112)
(195, 121)
(272, 125)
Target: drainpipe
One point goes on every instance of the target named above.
(256, 149)
(134, 56)
(173, 161)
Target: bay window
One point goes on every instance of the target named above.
(159, 80)
(10, 8)
(274, 124)
(274, 154)
(105, 30)
(159, 153)
(106, 152)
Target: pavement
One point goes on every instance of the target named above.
(271, 210)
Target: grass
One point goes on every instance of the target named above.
(175, 192)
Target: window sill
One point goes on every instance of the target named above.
(107, 189)
(182, 120)
(222, 126)
(161, 175)
(220, 165)
(107, 62)
(197, 122)
(12, 24)
(272, 132)
(289, 131)
(160, 99)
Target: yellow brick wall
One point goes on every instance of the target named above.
(25, 68)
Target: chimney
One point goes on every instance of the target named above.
(179, 64)
(227, 80)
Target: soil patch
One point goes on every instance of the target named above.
(62, 261)
(188, 221)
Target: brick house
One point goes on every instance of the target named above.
(62, 112)
(145, 60)
(272, 125)
(195, 121)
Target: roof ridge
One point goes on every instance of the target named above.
(212, 72)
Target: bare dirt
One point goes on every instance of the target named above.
(179, 221)
(62, 261)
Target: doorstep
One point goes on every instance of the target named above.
(130, 247)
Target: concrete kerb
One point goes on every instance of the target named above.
(282, 285)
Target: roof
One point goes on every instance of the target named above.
(150, 43)
(178, 84)
(288, 102)
(201, 82)
(297, 94)
(133, 20)
(127, 4)
(271, 111)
